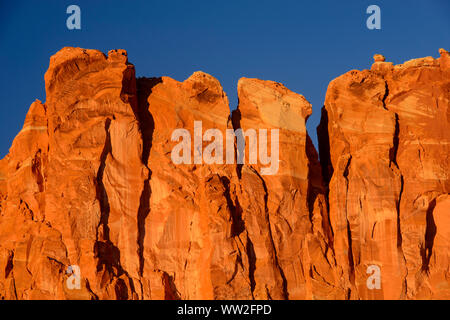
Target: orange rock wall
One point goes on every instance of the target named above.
(89, 181)
(384, 143)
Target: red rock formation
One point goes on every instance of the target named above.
(384, 140)
(91, 181)
(288, 206)
(188, 244)
(208, 232)
(74, 181)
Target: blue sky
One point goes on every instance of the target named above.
(302, 44)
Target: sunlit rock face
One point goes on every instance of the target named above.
(224, 230)
(384, 142)
(98, 178)
(289, 205)
(74, 180)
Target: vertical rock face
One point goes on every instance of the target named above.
(94, 138)
(284, 213)
(222, 230)
(384, 140)
(187, 231)
(74, 179)
(146, 186)
(91, 181)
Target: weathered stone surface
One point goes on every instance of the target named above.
(384, 140)
(91, 181)
(74, 182)
(208, 229)
(379, 58)
(188, 244)
(288, 207)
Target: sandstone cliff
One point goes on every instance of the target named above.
(384, 142)
(90, 181)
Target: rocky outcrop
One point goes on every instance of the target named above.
(146, 185)
(290, 205)
(74, 184)
(215, 231)
(384, 140)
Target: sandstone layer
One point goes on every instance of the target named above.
(91, 181)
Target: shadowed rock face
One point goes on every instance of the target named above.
(90, 181)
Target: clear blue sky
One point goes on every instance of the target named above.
(302, 44)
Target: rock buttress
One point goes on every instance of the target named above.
(384, 140)
(284, 213)
(75, 177)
